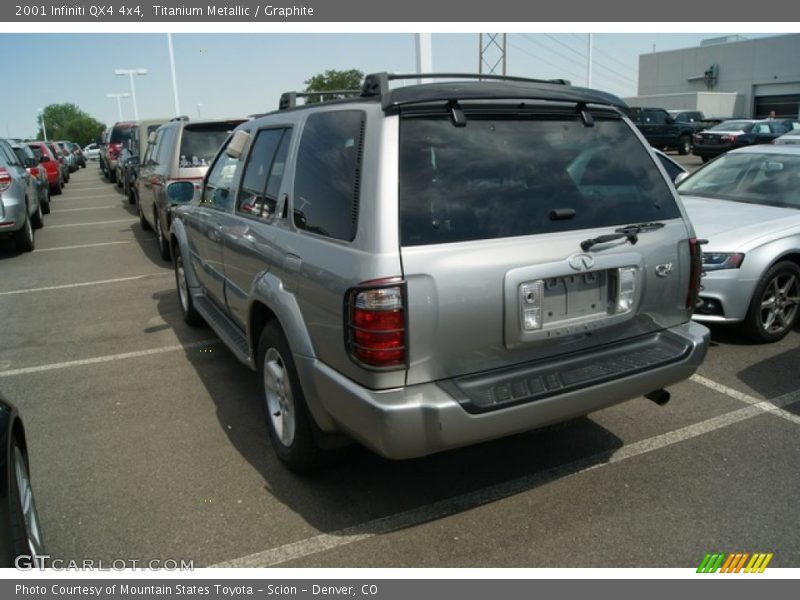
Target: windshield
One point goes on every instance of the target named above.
(501, 177)
(757, 178)
(732, 126)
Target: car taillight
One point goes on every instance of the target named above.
(114, 150)
(5, 179)
(34, 171)
(375, 326)
(728, 138)
(695, 273)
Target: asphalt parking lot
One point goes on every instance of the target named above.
(147, 441)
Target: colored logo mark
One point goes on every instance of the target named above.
(735, 563)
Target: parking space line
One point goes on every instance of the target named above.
(477, 498)
(108, 358)
(60, 210)
(747, 399)
(80, 246)
(85, 283)
(129, 220)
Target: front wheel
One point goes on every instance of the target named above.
(289, 422)
(684, 145)
(26, 532)
(775, 305)
(163, 244)
(188, 311)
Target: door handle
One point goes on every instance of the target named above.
(292, 262)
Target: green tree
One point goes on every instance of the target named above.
(332, 80)
(68, 122)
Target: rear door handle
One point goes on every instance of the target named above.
(292, 262)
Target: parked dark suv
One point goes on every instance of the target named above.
(436, 265)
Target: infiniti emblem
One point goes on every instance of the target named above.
(581, 262)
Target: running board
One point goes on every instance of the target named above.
(225, 328)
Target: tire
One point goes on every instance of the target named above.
(705, 159)
(45, 203)
(142, 221)
(685, 145)
(163, 243)
(291, 429)
(23, 239)
(26, 532)
(131, 195)
(55, 190)
(775, 305)
(38, 221)
(190, 314)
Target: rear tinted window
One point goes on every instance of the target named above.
(37, 151)
(501, 177)
(200, 143)
(120, 134)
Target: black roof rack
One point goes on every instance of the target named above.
(289, 99)
(377, 84)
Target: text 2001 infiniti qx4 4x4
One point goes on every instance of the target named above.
(436, 265)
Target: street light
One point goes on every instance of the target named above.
(118, 96)
(199, 106)
(130, 73)
(44, 129)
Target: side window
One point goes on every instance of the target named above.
(217, 192)
(326, 188)
(9, 155)
(262, 174)
(149, 154)
(164, 147)
(761, 128)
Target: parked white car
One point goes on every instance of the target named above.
(92, 152)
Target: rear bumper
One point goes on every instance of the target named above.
(12, 216)
(426, 418)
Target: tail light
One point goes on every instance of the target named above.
(5, 179)
(34, 171)
(114, 150)
(729, 138)
(695, 273)
(375, 327)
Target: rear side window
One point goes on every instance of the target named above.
(37, 151)
(327, 176)
(200, 143)
(263, 173)
(503, 177)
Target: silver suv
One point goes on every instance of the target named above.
(20, 210)
(436, 265)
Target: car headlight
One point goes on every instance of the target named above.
(716, 261)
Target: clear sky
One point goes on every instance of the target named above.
(233, 74)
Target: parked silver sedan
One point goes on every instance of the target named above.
(747, 205)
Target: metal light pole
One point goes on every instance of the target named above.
(199, 106)
(118, 96)
(44, 129)
(130, 73)
(174, 79)
(589, 63)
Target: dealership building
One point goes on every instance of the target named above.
(725, 77)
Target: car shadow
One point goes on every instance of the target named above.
(357, 487)
(148, 243)
(775, 376)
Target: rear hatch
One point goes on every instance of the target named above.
(499, 221)
(723, 134)
(200, 143)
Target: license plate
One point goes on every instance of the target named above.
(575, 296)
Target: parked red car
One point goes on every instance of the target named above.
(51, 165)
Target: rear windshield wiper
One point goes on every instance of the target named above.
(629, 233)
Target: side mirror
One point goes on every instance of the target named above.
(680, 177)
(238, 143)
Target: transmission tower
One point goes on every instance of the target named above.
(492, 53)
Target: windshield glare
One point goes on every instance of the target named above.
(770, 179)
(732, 126)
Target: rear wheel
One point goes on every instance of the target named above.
(23, 239)
(775, 305)
(705, 159)
(55, 190)
(45, 202)
(288, 420)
